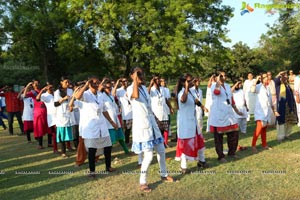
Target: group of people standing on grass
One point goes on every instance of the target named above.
(95, 114)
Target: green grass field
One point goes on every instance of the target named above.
(272, 174)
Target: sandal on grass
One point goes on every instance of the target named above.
(168, 179)
(145, 188)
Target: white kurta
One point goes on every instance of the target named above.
(249, 96)
(63, 114)
(239, 99)
(221, 113)
(158, 103)
(28, 109)
(92, 122)
(167, 96)
(112, 108)
(208, 99)
(144, 126)
(263, 109)
(48, 99)
(198, 94)
(186, 119)
(125, 104)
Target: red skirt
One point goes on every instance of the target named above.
(189, 147)
(28, 126)
(40, 125)
(225, 129)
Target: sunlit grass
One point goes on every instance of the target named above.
(272, 174)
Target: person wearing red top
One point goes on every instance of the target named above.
(13, 107)
(40, 125)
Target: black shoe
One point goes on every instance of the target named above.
(202, 165)
(185, 171)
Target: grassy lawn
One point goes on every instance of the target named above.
(272, 174)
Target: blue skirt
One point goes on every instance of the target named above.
(139, 147)
(64, 134)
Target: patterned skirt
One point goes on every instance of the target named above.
(139, 147)
(189, 147)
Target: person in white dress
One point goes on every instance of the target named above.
(262, 111)
(27, 115)
(200, 108)
(47, 96)
(62, 96)
(208, 99)
(92, 125)
(164, 86)
(222, 119)
(241, 105)
(160, 106)
(249, 96)
(146, 135)
(190, 141)
(116, 134)
(126, 109)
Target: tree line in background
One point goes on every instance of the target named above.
(47, 39)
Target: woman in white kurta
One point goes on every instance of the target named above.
(240, 102)
(263, 110)
(92, 125)
(160, 107)
(48, 98)
(249, 96)
(146, 135)
(112, 109)
(190, 142)
(126, 109)
(208, 99)
(63, 114)
(221, 118)
(27, 115)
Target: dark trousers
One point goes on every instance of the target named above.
(63, 147)
(2, 114)
(28, 136)
(40, 140)
(107, 156)
(232, 142)
(127, 135)
(10, 119)
(91, 155)
(2, 123)
(75, 131)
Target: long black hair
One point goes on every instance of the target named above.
(62, 91)
(180, 84)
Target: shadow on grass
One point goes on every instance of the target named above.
(43, 190)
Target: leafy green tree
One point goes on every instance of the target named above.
(166, 37)
(41, 33)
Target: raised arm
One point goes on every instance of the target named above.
(136, 82)
(38, 97)
(150, 85)
(20, 94)
(79, 92)
(27, 88)
(185, 93)
(114, 91)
